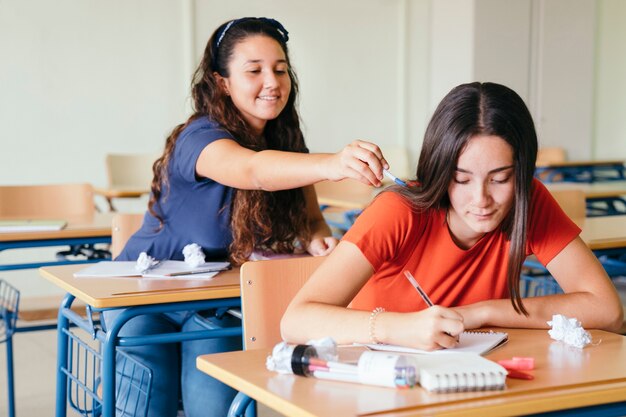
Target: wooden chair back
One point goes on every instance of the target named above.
(60, 201)
(572, 201)
(123, 226)
(550, 154)
(267, 288)
(130, 170)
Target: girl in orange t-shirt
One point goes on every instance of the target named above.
(463, 230)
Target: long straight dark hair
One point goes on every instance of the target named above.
(467, 111)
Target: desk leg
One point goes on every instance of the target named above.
(63, 326)
(240, 404)
(10, 377)
(108, 373)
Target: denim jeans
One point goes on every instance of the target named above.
(174, 365)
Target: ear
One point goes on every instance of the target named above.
(222, 83)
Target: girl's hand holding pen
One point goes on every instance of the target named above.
(431, 329)
(360, 160)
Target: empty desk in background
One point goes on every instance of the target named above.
(581, 171)
(139, 296)
(80, 232)
(120, 192)
(342, 201)
(603, 198)
(347, 194)
(566, 380)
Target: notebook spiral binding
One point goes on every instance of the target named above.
(460, 382)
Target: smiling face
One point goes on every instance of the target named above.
(258, 81)
(482, 190)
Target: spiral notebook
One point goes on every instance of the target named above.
(458, 372)
(469, 342)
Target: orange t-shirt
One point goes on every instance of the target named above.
(394, 237)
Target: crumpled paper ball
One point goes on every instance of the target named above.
(145, 262)
(194, 256)
(569, 331)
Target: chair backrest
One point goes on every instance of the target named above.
(550, 154)
(46, 201)
(572, 201)
(130, 170)
(267, 288)
(122, 228)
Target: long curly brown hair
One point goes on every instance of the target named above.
(275, 221)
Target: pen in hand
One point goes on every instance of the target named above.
(421, 292)
(419, 289)
(394, 178)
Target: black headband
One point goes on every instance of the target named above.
(272, 22)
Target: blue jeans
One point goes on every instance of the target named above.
(174, 365)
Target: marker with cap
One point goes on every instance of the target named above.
(394, 178)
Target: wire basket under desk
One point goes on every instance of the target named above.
(133, 380)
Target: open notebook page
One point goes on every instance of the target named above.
(469, 342)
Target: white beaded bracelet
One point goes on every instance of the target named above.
(373, 316)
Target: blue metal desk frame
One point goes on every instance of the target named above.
(38, 243)
(110, 340)
(582, 173)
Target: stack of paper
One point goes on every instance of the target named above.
(164, 269)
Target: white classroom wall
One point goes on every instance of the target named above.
(80, 79)
(610, 83)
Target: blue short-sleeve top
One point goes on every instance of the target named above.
(194, 210)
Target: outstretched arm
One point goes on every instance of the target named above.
(589, 296)
(319, 310)
(229, 163)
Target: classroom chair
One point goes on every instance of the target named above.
(123, 226)
(536, 280)
(128, 175)
(547, 155)
(550, 154)
(52, 202)
(267, 288)
(57, 201)
(9, 305)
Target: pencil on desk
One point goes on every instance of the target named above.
(199, 271)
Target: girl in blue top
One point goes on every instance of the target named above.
(236, 177)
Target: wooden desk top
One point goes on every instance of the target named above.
(121, 191)
(93, 226)
(582, 163)
(565, 377)
(605, 232)
(132, 291)
(606, 189)
(348, 194)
